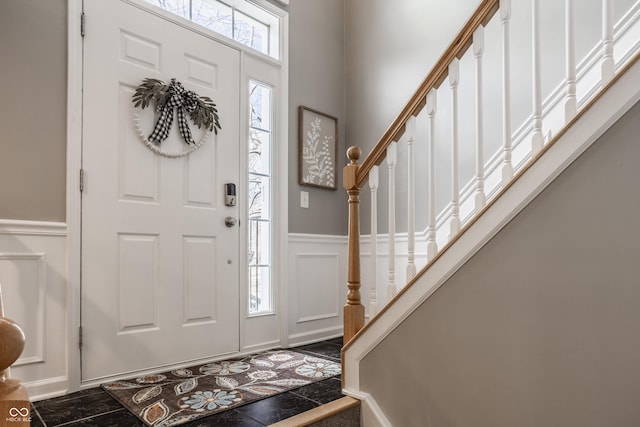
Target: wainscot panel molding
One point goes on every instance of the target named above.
(317, 276)
(34, 285)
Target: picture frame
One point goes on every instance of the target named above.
(317, 148)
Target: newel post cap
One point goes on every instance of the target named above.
(351, 169)
(354, 153)
(12, 342)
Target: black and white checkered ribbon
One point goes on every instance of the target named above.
(183, 101)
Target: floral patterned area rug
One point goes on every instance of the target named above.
(182, 395)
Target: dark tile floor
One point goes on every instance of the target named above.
(94, 407)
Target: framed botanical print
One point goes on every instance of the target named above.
(317, 148)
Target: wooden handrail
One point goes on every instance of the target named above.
(521, 172)
(355, 174)
(456, 49)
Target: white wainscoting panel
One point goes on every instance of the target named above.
(317, 302)
(317, 287)
(24, 279)
(34, 287)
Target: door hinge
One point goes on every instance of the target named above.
(83, 24)
(81, 180)
(80, 337)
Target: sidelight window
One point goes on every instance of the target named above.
(259, 198)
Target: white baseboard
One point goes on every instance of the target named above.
(257, 348)
(46, 389)
(314, 336)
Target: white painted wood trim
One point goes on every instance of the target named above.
(537, 140)
(371, 415)
(328, 239)
(505, 18)
(36, 251)
(281, 223)
(39, 259)
(74, 163)
(411, 196)
(32, 228)
(571, 104)
(322, 258)
(311, 337)
(607, 67)
(392, 158)
(454, 79)
(478, 50)
(619, 98)
(373, 186)
(47, 388)
(431, 107)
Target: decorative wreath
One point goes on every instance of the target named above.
(167, 98)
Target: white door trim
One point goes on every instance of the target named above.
(74, 164)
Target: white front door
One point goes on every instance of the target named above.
(159, 266)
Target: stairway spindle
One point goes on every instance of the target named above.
(537, 139)
(505, 19)
(608, 68)
(392, 159)
(570, 105)
(454, 78)
(411, 222)
(431, 106)
(478, 49)
(373, 186)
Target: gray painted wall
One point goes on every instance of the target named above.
(540, 326)
(390, 48)
(316, 80)
(33, 71)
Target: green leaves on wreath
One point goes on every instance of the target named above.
(206, 114)
(150, 90)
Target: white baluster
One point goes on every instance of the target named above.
(478, 48)
(392, 159)
(507, 165)
(373, 186)
(608, 67)
(570, 104)
(454, 78)
(411, 194)
(432, 246)
(537, 140)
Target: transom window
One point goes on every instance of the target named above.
(239, 20)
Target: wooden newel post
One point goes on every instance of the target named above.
(14, 399)
(353, 310)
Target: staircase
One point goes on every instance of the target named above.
(491, 314)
